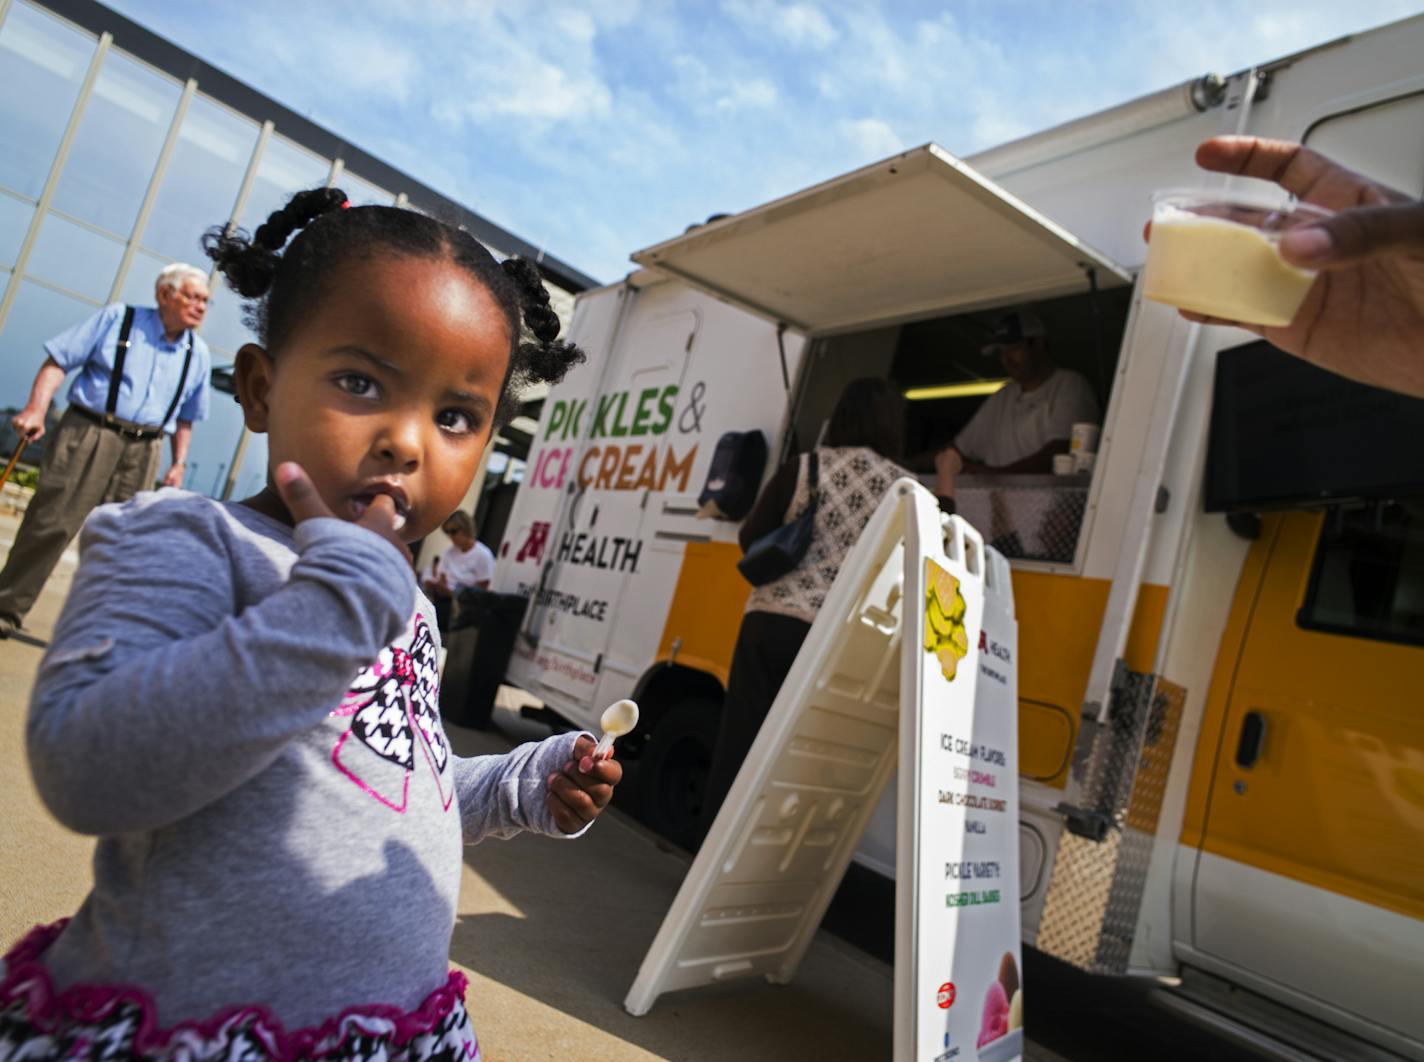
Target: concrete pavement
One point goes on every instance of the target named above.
(45, 872)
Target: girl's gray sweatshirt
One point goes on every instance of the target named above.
(247, 717)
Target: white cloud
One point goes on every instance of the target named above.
(553, 95)
(757, 93)
(991, 127)
(800, 25)
(1280, 29)
(489, 64)
(375, 63)
(721, 92)
(577, 25)
(804, 25)
(871, 138)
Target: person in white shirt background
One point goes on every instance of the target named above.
(468, 564)
(1025, 423)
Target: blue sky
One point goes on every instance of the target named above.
(593, 129)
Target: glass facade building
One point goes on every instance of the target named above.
(119, 151)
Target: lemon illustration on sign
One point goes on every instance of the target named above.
(945, 635)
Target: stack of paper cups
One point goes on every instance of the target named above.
(1084, 439)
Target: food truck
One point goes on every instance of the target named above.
(1221, 618)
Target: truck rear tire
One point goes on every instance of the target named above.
(672, 771)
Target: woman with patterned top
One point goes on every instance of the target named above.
(857, 465)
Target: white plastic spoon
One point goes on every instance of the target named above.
(619, 718)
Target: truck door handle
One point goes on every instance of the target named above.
(1252, 741)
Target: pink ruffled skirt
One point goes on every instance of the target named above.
(103, 1022)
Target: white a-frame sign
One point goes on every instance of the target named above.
(910, 665)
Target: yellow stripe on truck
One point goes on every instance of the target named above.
(706, 609)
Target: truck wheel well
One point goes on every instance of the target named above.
(669, 755)
(665, 685)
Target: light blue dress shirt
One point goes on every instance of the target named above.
(151, 369)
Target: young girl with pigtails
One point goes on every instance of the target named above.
(240, 699)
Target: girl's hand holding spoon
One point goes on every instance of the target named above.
(585, 786)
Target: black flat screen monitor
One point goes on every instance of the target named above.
(1286, 434)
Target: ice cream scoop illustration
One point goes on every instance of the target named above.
(995, 1022)
(1003, 1003)
(1009, 974)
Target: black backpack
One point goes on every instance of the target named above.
(735, 475)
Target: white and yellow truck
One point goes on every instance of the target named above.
(1221, 627)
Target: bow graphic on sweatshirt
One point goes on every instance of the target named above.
(390, 703)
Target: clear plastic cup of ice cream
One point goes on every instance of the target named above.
(1217, 253)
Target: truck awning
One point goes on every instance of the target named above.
(921, 234)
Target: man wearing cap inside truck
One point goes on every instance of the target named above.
(1025, 423)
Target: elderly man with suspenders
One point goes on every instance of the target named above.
(142, 373)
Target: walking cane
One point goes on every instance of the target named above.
(21, 442)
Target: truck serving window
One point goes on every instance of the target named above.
(946, 377)
(1368, 578)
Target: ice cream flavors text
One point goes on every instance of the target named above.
(975, 751)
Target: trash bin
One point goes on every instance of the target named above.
(478, 648)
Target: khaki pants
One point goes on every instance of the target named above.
(84, 465)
